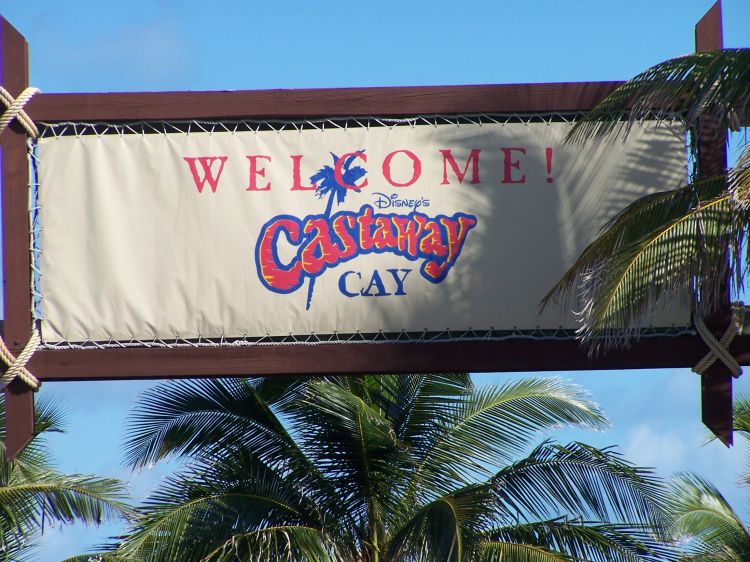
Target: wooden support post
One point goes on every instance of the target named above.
(19, 398)
(716, 382)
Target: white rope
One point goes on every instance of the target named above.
(719, 348)
(469, 334)
(260, 125)
(69, 128)
(17, 365)
(15, 110)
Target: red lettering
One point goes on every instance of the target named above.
(297, 175)
(416, 168)
(255, 171)
(384, 237)
(366, 223)
(509, 164)
(320, 250)
(408, 232)
(273, 274)
(473, 159)
(432, 242)
(337, 169)
(206, 163)
(343, 225)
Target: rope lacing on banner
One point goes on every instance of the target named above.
(15, 110)
(719, 348)
(17, 365)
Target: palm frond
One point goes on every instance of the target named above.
(584, 482)
(711, 83)
(420, 402)
(738, 179)
(32, 493)
(193, 513)
(201, 417)
(681, 244)
(668, 245)
(499, 551)
(287, 543)
(49, 417)
(414, 403)
(590, 541)
(704, 519)
(494, 425)
(449, 528)
(741, 414)
(354, 445)
(636, 222)
(279, 390)
(64, 498)
(393, 468)
(17, 545)
(95, 557)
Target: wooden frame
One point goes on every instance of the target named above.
(135, 363)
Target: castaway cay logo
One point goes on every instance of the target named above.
(328, 240)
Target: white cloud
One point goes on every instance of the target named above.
(647, 446)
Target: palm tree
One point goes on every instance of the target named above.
(692, 237)
(33, 494)
(706, 525)
(741, 415)
(702, 521)
(327, 185)
(384, 468)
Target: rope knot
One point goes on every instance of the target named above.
(719, 348)
(15, 110)
(17, 365)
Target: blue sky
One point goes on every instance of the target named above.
(167, 45)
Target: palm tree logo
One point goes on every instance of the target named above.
(326, 184)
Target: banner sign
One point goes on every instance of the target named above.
(361, 229)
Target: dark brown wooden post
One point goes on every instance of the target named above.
(19, 398)
(716, 382)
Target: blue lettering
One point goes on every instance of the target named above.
(342, 284)
(399, 280)
(376, 282)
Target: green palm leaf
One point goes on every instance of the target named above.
(212, 500)
(681, 244)
(584, 481)
(494, 425)
(738, 179)
(35, 457)
(713, 83)
(352, 442)
(95, 557)
(706, 522)
(200, 417)
(376, 469)
(581, 540)
(663, 246)
(412, 402)
(741, 414)
(290, 543)
(32, 494)
(499, 551)
(65, 498)
(448, 528)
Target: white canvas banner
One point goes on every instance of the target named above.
(248, 234)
